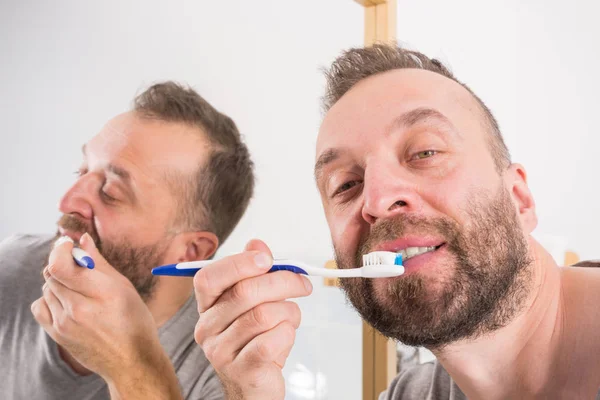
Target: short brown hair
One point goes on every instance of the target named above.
(217, 195)
(357, 64)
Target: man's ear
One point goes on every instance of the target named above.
(515, 179)
(195, 246)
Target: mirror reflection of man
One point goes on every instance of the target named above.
(163, 183)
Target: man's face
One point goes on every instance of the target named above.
(403, 164)
(124, 195)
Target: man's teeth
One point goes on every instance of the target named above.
(410, 252)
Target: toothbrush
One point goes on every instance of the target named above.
(378, 264)
(80, 257)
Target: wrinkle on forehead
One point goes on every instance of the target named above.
(387, 95)
(154, 149)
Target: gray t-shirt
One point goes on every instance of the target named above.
(430, 381)
(427, 381)
(30, 365)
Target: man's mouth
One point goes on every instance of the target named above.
(70, 233)
(411, 252)
(411, 246)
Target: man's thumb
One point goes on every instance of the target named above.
(86, 243)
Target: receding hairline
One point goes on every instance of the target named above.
(470, 103)
(178, 178)
(396, 71)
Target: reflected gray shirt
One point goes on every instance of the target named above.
(30, 365)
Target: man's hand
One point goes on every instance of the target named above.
(246, 328)
(99, 318)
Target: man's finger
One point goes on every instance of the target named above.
(43, 315)
(41, 312)
(87, 244)
(258, 245)
(61, 250)
(88, 283)
(65, 296)
(251, 293)
(54, 304)
(211, 281)
(270, 347)
(257, 321)
(79, 279)
(61, 265)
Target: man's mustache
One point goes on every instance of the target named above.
(75, 224)
(405, 225)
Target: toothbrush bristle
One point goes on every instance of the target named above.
(382, 258)
(398, 260)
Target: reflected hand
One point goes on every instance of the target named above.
(98, 317)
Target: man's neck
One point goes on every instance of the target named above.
(170, 295)
(527, 358)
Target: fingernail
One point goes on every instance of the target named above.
(34, 306)
(45, 286)
(85, 239)
(262, 260)
(61, 240)
(307, 283)
(46, 273)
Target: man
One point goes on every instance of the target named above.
(409, 159)
(163, 183)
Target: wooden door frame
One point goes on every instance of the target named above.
(379, 353)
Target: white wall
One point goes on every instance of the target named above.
(535, 64)
(68, 66)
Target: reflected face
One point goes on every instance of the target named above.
(125, 195)
(403, 164)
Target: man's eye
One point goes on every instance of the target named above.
(80, 172)
(424, 154)
(345, 187)
(106, 197)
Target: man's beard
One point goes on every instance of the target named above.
(135, 263)
(480, 288)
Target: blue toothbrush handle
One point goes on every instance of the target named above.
(286, 267)
(172, 270)
(176, 272)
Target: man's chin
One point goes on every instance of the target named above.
(385, 291)
(411, 288)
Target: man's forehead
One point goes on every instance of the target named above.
(117, 134)
(151, 143)
(375, 102)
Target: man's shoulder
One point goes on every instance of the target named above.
(20, 243)
(428, 381)
(20, 240)
(583, 273)
(23, 249)
(588, 264)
